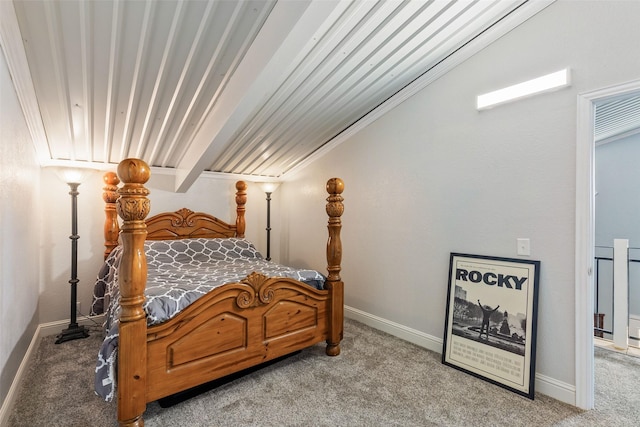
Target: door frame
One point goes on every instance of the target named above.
(585, 235)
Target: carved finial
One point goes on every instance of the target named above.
(335, 186)
(134, 171)
(335, 208)
(111, 179)
(111, 226)
(110, 188)
(241, 200)
(133, 207)
(133, 204)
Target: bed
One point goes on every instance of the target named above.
(233, 327)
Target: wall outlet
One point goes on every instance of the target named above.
(524, 246)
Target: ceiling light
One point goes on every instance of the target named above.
(547, 83)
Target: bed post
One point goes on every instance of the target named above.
(133, 207)
(111, 227)
(334, 284)
(241, 200)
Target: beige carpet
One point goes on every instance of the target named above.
(378, 380)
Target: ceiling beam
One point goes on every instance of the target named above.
(290, 31)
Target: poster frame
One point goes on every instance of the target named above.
(504, 358)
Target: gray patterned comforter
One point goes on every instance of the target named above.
(179, 272)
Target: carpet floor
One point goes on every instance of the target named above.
(378, 380)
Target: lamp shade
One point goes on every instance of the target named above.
(269, 187)
(71, 175)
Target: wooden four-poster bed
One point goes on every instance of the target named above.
(233, 327)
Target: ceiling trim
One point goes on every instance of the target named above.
(16, 58)
(237, 176)
(506, 24)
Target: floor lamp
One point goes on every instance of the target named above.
(73, 177)
(268, 188)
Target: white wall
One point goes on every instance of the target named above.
(617, 208)
(212, 195)
(19, 231)
(436, 176)
(618, 201)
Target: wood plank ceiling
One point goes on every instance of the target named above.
(254, 88)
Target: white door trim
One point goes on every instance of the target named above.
(585, 236)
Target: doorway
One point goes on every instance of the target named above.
(585, 236)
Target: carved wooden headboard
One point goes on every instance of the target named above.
(182, 224)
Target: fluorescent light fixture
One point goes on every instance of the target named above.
(547, 83)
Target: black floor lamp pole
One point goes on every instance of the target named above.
(268, 226)
(268, 188)
(74, 331)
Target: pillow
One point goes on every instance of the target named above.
(198, 251)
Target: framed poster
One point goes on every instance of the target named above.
(490, 325)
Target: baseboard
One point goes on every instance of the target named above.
(548, 386)
(54, 328)
(43, 330)
(559, 390)
(397, 330)
(13, 390)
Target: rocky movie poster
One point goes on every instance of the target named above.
(490, 326)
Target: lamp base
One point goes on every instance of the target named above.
(73, 332)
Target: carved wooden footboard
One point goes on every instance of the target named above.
(234, 327)
(252, 322)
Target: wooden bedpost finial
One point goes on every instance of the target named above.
(241, 200)
(133, 207)
(335, 186)
(111, 179)
(111, 226)
(133, 171)
(335, 209)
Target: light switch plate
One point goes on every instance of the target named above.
(524, 246)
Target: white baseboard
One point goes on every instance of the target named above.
(54, 328)
(559, 390)
(12, 394)
(43, 330)
(397, 330)
(551, 387)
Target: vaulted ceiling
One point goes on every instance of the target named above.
(253, 88)
(617, 118)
